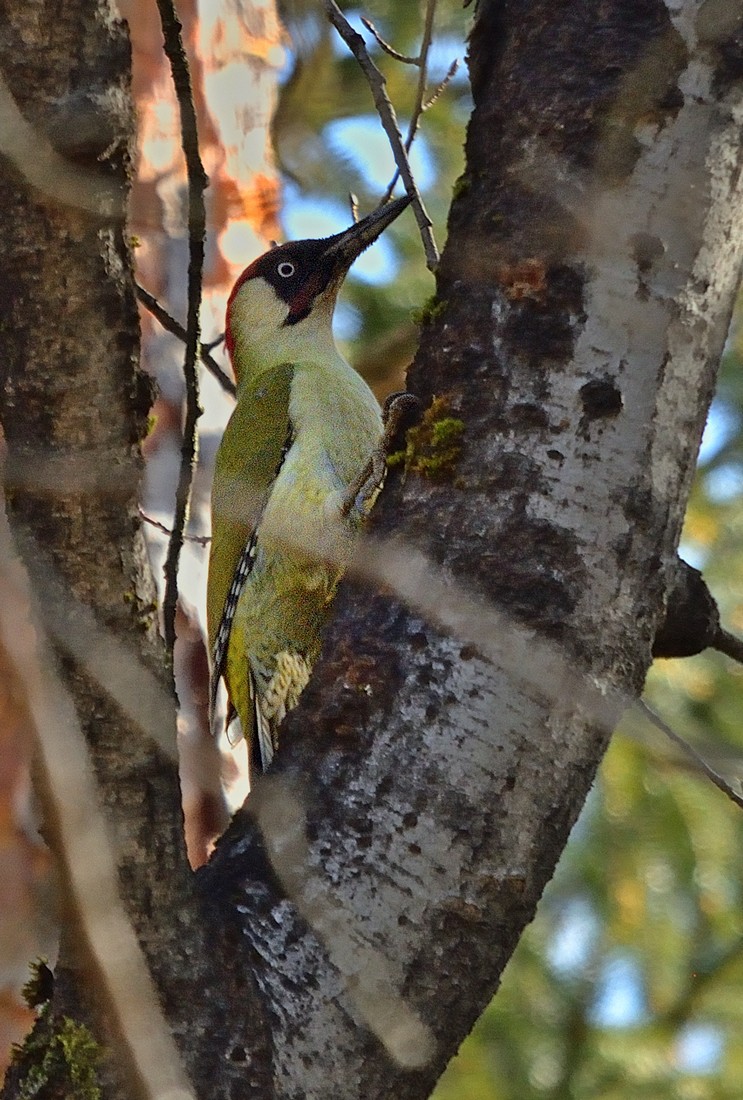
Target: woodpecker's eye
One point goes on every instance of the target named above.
(285, 270)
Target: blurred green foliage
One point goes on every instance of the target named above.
(322, 86)
(628, 983)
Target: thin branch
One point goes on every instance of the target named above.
(691, 752)
(729, 644)
(200, 540)
(387, 116)
(441, 88)
(353, 202)
(386, 46)
(214, 343)
(197, 182)
(421, 104)
(174, 327)
(420, 92)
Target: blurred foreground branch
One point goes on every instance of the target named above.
(80, 837)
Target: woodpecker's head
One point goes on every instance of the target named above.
(282, 304)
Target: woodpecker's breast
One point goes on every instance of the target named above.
(336, 416)
(336, 424)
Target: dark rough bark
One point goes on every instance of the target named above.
(74, 406)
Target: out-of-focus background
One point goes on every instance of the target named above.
(629, 983)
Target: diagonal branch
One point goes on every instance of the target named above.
(418, 107)
(729, 644)
(421, 61)
(174, 327)
(385, 110)
(420, 93)
(197, 182)
(442, 85)
(386, 46)
(719, 781)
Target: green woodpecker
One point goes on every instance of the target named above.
(297, 444)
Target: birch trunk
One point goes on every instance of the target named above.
(454, 728)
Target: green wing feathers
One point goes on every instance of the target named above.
(245, 469)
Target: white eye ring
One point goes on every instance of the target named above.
(285, 270)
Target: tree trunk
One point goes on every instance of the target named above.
(445, 748)
(380, 877)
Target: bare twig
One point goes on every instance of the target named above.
(387, 116)
(214, 343)
(386, 46)
(441, 88)
(174, 327)
(729, 644)
(421, 103)
(420, 93)
(353, 202)
(197, 182)
(422, 62)
(201, 540)
(691, 752)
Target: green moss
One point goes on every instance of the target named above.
(461, 186)
(60, 1057)
(147, 617)
(433, 447)
(40, 985)
(428, 311)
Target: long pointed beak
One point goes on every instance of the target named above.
(332, 257)
(344, 247)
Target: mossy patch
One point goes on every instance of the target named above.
(432, 447)
(461, 186)
(40, 985)
(59, 1058)
(430, 309)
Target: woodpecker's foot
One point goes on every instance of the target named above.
(363, 491)
(399, 412)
